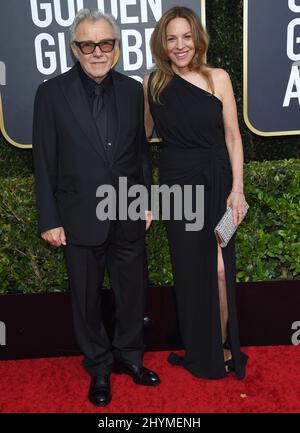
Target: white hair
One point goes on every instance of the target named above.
(95, 15)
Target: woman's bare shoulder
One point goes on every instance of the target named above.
(219, 75)
(147, 77)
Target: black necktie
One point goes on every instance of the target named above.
(99, 112)
(98, 101)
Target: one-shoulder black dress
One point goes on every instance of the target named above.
(194, 152)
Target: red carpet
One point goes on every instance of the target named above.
(272, 384)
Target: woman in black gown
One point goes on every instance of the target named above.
(193, 109)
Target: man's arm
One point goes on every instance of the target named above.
(45, 167)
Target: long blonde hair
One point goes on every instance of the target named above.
(163, 71)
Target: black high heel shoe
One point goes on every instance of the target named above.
(229, 364)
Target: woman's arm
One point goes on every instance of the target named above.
(149, 124)
(233, 139)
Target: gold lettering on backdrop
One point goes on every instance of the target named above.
(51, 48)
(293, 53)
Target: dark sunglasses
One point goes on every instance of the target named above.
(88, 47)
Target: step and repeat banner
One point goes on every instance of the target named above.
(34, 47)
(272, 66)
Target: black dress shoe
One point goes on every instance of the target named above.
(140, 375)
(100, 392)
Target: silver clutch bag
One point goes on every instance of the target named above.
(225, 228)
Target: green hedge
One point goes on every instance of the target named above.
(267, 245)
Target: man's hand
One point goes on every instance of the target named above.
(55, 237)
(149, 218)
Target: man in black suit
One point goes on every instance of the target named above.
(88, 131)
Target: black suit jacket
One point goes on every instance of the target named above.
(70, 161)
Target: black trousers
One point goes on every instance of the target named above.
(127, 269)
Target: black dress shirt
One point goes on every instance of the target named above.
(109, 106)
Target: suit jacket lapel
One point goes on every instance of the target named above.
(75, 95)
